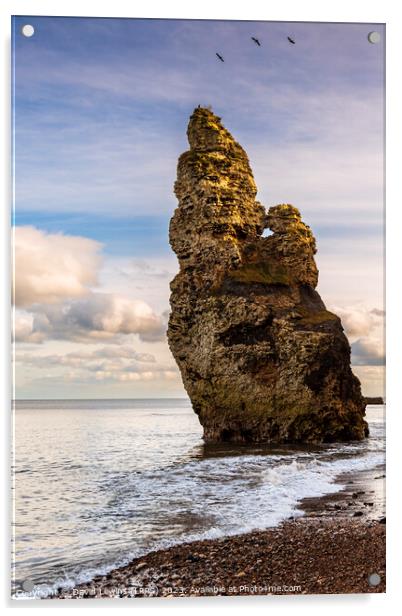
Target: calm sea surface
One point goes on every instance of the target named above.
(98, 482)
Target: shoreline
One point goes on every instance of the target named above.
(303, 556)
(362, 496)
(334, 547)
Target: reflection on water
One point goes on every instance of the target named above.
(217, 450)
(98, 482)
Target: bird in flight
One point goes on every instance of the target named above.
(256, 41)
(291, 41)
(220, 57)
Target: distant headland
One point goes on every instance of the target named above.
(374, 400)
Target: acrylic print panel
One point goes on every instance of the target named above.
(198, 240)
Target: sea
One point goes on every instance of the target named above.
(97, 483)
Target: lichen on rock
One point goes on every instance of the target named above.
(261, 358)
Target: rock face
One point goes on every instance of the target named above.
(260, 356)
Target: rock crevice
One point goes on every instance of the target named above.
(261, 357)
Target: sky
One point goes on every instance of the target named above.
(101, 108)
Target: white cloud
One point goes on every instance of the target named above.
(112, 363)
(364, 329)
(99, 316)
(355, 322)
(52, 267)
(23, 329)
(54, 276)
(359, 321)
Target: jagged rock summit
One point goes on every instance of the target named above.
(260, 356)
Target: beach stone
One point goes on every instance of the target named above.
(140, 566)
(193, 558)
(261, 357)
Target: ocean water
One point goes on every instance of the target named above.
(99, 482)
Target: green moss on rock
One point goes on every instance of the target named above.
(262, 272)
(316, 318)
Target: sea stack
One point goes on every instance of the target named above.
(262, 359)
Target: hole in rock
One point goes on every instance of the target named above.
(267, 232)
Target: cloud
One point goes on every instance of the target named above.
(377, 312)
(364, 329)
(54, 298)
(99, 316)
(103, 358)
(372, 379)
(23, 329)
(127, 118)
(359, 321)
(368, 352)
(112, 363)
(52, 267)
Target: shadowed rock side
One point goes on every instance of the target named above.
(260, 356)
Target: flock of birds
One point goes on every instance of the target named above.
(257, 42)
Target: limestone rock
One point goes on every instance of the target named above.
(260, 356)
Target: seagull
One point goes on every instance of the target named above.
(256, 41)
(220, 57)
(291, 41)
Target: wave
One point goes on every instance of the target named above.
(237, 495)
(124, 508)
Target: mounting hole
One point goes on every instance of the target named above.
(28, 30)
(374, 37)
(28, 585)
(374, 579)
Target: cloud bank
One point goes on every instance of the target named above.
(51, 267)
(364, 328)
(368, 352)
(111, 363)
(54, 299)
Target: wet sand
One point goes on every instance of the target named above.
(334, 548)
(363, 496)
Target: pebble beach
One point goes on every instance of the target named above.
(337, 547)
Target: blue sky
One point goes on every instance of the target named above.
(101, 109)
